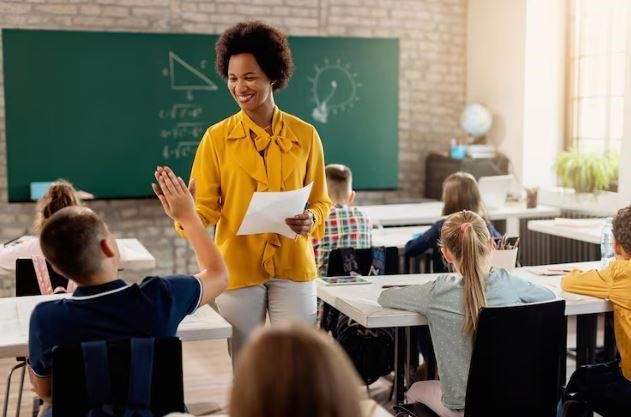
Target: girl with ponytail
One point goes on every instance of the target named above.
(451, 304)
(60, 194)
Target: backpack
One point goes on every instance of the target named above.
(370, 350)
(98, 382)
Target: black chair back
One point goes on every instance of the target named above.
(26, 279)
(70, 398)
(516, 361)
(364, 261)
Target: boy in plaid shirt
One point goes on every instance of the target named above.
(346, 226)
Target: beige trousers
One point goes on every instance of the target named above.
(283, 300)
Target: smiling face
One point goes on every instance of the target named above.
(248, 84)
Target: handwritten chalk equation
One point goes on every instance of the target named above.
(183, 130)
(179, 150)
(181, 111)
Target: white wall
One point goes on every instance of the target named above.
(495, 69)
(544, 90)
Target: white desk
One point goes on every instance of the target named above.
(15, 313)
(584, 230)
(428, 213)
(395, 236)
(133, 254)
(359, 302)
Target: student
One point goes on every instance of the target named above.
(606, 388)
(346, 226)
(79, 245)
(451, 304)
(294, 371)
(60, 194)
(460, 192)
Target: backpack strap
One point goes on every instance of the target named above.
(43, 277)
(140, 378)
(97, 378)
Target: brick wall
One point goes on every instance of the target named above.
(432, 84)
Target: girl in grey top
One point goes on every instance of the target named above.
(451, 304)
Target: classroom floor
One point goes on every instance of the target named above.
(208, 375)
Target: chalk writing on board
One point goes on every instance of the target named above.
(183, 130)
(333, 88)
(180, 111)
(185, 77)
(180, 150)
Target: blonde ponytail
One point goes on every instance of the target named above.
(60, 194)
(465, 235)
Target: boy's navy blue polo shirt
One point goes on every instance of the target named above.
(109, 311)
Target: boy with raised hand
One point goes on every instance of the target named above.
(606, 388)
(347, 226)
(79, 245)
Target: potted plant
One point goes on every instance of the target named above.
(587, 172)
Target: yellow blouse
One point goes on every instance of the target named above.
(234, 159)
(613, 283)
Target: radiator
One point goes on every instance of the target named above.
(537, 248)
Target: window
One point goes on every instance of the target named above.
(596, 68)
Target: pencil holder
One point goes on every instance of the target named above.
(504, 258)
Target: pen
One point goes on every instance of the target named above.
(394, 286)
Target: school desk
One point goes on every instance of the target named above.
(427, 213)
(359, 302)
(584, 230)
(133, 256)
(15, 313)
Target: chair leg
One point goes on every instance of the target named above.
(20, 390)
(8, 388)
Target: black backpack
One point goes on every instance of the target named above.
(370, 350)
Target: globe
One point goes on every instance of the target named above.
(476, 120)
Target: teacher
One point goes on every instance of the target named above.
(260, 148)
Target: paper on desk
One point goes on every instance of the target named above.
(268, 210)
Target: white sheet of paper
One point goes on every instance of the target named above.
(268, 210)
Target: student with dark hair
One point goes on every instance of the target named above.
(80, 246)
(260, 148)
(606, 388)
(460, 192)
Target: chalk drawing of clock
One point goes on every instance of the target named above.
(334, 89)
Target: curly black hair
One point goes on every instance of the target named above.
(622, 228)
(268, 45)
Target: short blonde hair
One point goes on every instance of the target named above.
(339, 181)
(294, 371)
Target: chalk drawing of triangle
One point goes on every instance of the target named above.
(185, 77)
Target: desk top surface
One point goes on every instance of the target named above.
(584, 230)
(15, 313)
(359, 302)
(430, 212)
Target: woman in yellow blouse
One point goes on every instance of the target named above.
(261, 148)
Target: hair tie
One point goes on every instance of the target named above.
(464, 226)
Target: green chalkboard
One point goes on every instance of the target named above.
(102, 109)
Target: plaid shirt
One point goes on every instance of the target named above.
(345, 227)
